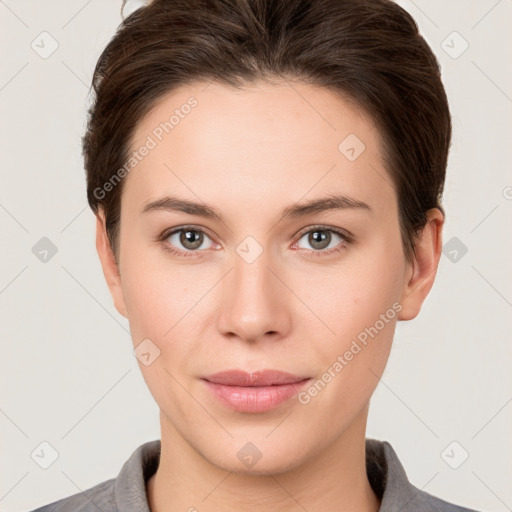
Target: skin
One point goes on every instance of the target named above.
(251, 153)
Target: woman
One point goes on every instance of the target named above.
(267, 178)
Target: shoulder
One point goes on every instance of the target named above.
(124, 493)
(426, 502)
(389, 481)
(99, 497)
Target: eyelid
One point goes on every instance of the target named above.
(349, 237)
(168, 232)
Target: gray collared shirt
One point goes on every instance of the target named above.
(127, 492)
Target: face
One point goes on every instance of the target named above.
(256, 276)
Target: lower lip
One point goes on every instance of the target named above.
(255, 399)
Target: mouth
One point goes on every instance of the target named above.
(253, 379)
(255, 392)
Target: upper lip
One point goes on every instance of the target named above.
(255, 378)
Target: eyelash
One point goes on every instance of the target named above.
(346, 239)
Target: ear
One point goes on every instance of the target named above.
(109, 265)
(421, 271)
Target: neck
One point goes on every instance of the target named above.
(333, 478)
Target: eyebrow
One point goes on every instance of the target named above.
(294, 211)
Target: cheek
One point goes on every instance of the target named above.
(163, 305)
(159, 302)
(352, 295)
(153, 291)
(168, 303)
(359, 302)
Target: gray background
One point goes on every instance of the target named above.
(68, 373)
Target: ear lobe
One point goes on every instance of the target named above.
(423, 267)
(109, 264)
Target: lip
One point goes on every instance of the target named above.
(254, 392)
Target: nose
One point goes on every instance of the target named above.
(254, 300)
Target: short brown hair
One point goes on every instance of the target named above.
(369, 51)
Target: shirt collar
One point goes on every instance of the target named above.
(385, 474)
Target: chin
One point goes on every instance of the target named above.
(247, 459)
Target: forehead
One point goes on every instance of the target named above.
(265, 142)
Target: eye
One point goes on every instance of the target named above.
(324, 241)
(186, 241)
(189, 241)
